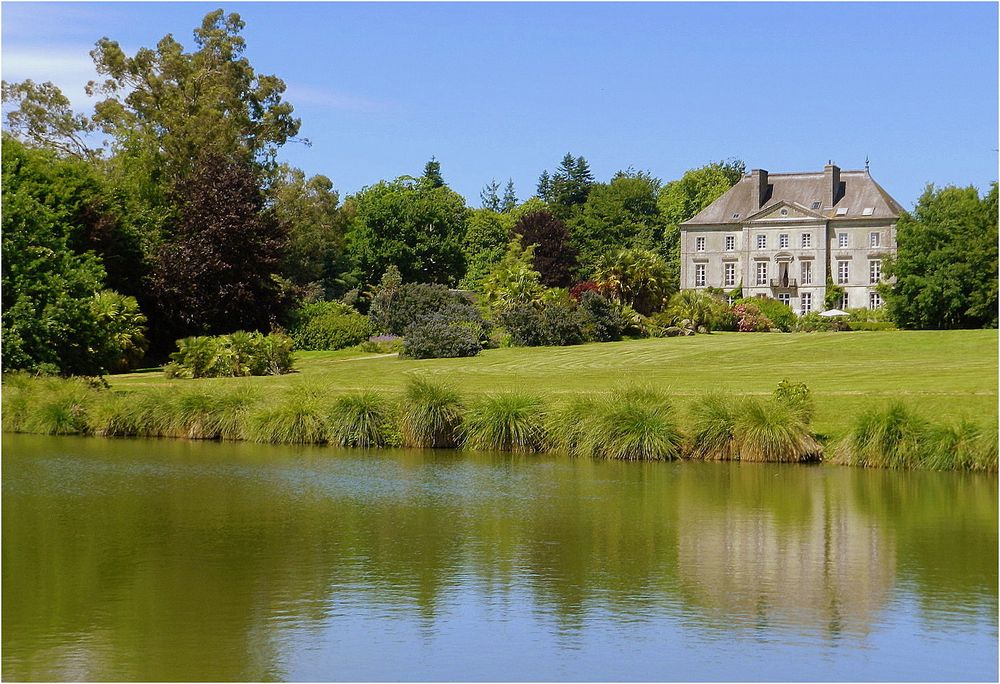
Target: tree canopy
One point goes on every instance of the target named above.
(411, 224)
(945, 268)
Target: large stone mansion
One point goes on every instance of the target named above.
(780, 234)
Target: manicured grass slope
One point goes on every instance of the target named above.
(941, 374)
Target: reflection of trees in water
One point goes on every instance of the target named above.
(764, 547)
(196, 571)
(941, 523)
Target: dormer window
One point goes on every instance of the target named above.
(815, 205)
(842, 211)
(735, 216)
(868, 211)
(784, 212)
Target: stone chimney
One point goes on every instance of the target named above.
(758, 187)
(831, 184)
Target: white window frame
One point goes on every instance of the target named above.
(729, 277)
(875, 239)
(874, 300)
(699, 244)
(761, 242)
(762, 273)
(785, 298)
(807, 302)
(783, 241)
(807, 239)
(843, 272)
(842, 241)
(806, 273)
(730, 243)
(843, 302)
(700, 275)
(874, 271)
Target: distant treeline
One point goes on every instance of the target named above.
(165, 214)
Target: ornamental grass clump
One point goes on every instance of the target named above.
(16, 397)
(301, 416)
(566, 425)
(47, 405)
(211, 413)
(890, 437)
(431, 414)
(141, 414)
(750, 429)
(510, 421)
(632, 424)
(961, 446)
(362, 419)
(772, 431)
(713, 428)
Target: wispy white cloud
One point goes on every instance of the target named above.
(327, 98)
(68, 67)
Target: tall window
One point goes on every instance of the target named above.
(807, 240)
(699, 275)
(842, 240)
(761, 242)
(843, 272)
(807, 273)
(730, 274)
(699, 244)
(843, 302)
(783, 241)
(730, 243)
(874, 270)
(875, 239)
(874, 300)
(762, 273)
(807, 302)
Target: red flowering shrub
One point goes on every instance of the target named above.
(578, 290)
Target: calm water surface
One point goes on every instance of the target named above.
(172, 560)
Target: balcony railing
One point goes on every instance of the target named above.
(784, 283)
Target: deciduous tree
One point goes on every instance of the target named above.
(945, 268)
(216, 274)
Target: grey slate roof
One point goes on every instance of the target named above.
(858, 191)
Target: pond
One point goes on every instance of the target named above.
(175, 560)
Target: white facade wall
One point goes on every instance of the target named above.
(823, 253)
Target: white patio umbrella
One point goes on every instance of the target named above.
(832, 313)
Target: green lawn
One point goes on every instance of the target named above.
(941, 373)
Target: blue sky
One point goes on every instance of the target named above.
(505, 89)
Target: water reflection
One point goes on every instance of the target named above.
(177, 560)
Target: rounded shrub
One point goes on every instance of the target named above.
(439, 336)
(323, 326)
(509, 421)
(601, 319)
(431, 414)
